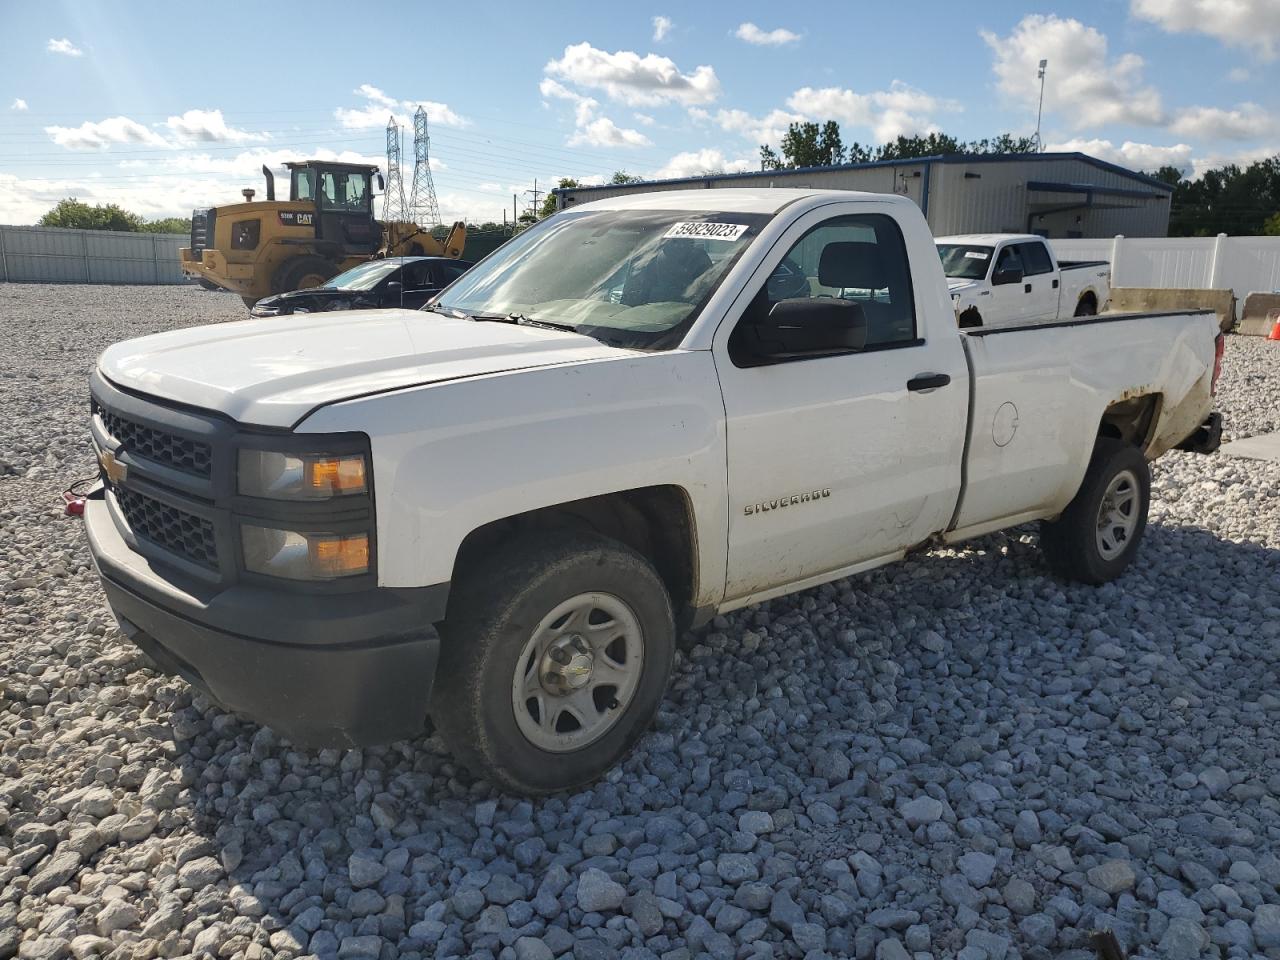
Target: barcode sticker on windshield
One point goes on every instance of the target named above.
(698, 230)
(976, 254)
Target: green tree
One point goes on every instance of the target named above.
(167, 225)
(1239, 201)
(622, 177)
(1271, 228)
(811, 145)
(78, 215)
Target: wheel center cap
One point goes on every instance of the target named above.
(567, 664)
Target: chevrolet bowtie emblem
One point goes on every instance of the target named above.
(113, 469)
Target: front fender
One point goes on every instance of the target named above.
(451, 457)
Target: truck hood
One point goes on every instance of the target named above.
(274, 371)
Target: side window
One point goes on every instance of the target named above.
(417, 276)
(860, 259)
(1035, 259)
(1010, 260)
(446, 273)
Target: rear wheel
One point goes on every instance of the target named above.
(302, 273)
(1098, 534)
(1087, 307)
(554, 662)
(970, 318)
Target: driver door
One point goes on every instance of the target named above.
(835, 460)
(1009, 302)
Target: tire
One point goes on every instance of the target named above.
(970, 318)
(502, 704)
(303, 272)
(207, 284)
(1087, 307)
(1076, 546)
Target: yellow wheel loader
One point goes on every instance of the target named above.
(325, 227)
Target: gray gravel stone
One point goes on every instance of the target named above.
(1114, 876)
(598, 893)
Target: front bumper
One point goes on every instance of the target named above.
(324, 670)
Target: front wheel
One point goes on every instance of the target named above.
(554, 661)
(1098, 534)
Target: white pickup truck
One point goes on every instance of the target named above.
(499, 511)
(999, 278)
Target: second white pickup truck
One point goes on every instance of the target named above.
(641, 412)
(996, 278)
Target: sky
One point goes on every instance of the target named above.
(145, 105)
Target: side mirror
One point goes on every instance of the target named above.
(394, 287)
(809, 328)
(382, 184)
(1006, 275)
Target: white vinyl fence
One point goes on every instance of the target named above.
(57, 255)
(1243, 265)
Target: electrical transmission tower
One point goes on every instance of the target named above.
(394, 209)
(424, 210)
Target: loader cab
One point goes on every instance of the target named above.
(342, 194)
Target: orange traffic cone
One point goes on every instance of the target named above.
(1275, 330)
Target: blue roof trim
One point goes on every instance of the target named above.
(913, 161)
(1048, 186)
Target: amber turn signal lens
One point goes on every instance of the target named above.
(336, 475)
(340, 556)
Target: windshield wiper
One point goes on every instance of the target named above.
(524, 321)
(521, 319)
(444, 311)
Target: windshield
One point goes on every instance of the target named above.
(364, 277)
(963, 261)
(635, 278)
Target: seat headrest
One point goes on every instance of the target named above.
(852, 263)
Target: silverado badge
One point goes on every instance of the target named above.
(766, 505)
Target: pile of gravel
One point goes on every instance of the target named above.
(957, 756)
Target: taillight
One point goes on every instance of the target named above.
(1219, 348)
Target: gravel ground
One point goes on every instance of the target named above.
(958, 756)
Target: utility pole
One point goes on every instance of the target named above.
(424, 210)
(535, 193)
(1040, 108)
(394, 209)
(515, 213)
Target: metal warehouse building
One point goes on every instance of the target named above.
(1053, 194)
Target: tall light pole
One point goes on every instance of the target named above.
(1040, 108)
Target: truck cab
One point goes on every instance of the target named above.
(1016, 278)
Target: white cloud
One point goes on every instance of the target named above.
(661, 28)
(208, 126)
(644, 119)
(64, 47)
(901, 110)
(589, 128)
(696, 163)
(18, 104)
(1253, 24)
(1083, 83)
(379, 106)
(97, 135)
(765, 38)
(769, 129)
(490, 187)
(603, 132)
(1242, 158)
(1248, 121)
(1135, 156)
(1239, 75)
(632, 79)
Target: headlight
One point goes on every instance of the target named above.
(304, 556)
(290, 476)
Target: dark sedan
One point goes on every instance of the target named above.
(394, 282)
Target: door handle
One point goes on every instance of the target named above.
(928, 381)
(1055, 284)
(1026, 288)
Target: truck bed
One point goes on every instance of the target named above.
(1081, 264)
